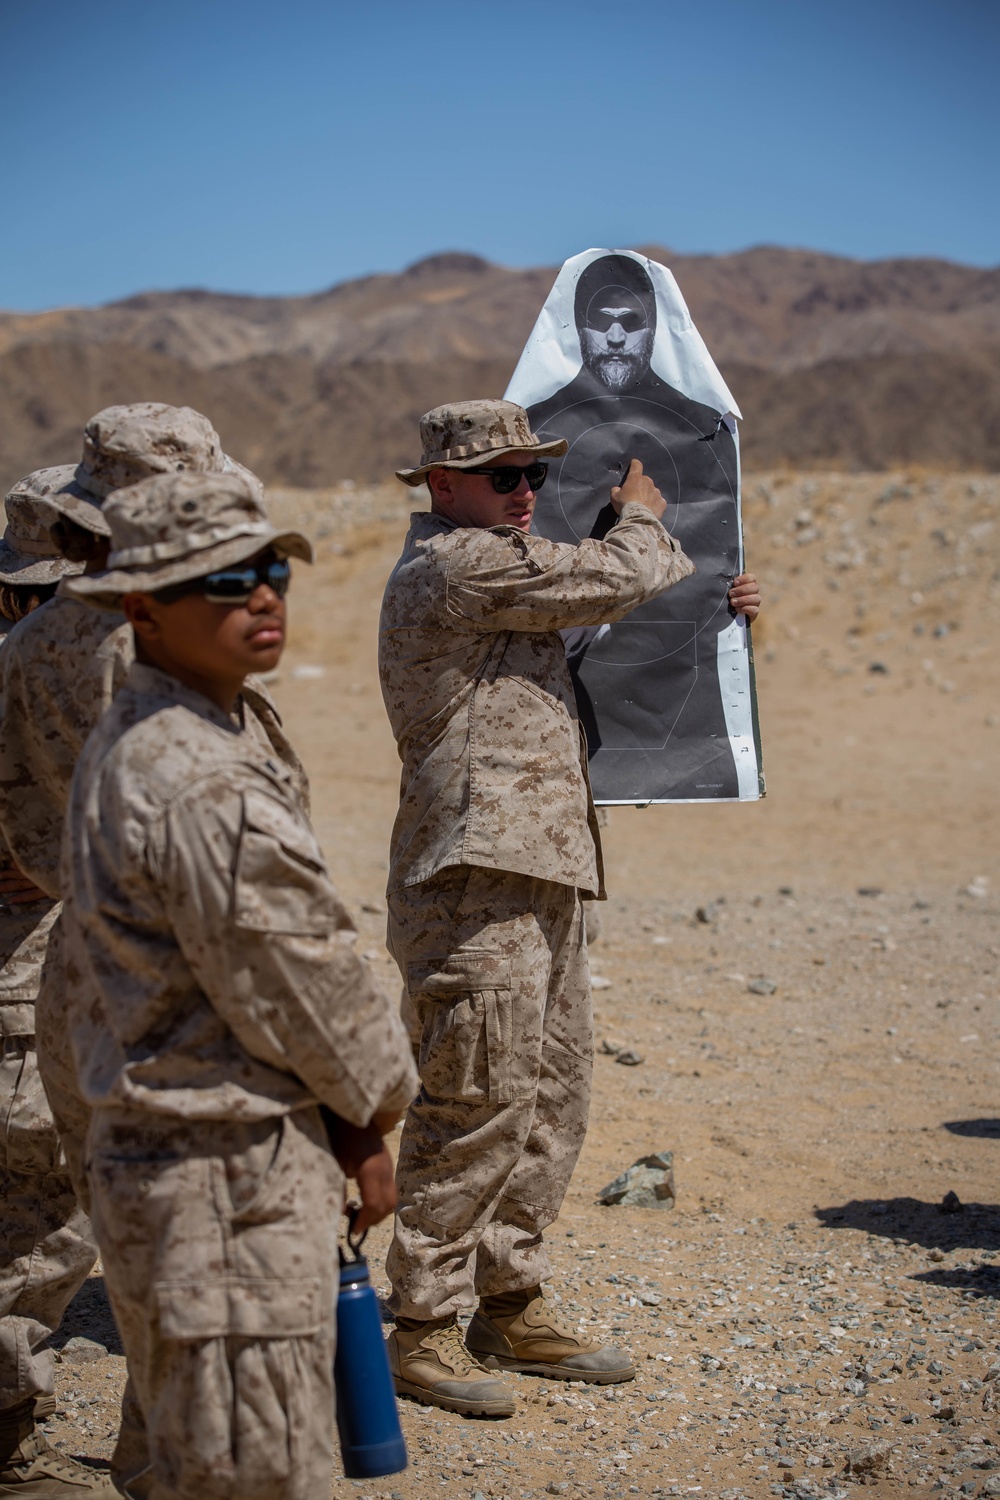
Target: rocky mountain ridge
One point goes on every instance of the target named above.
(859, 364)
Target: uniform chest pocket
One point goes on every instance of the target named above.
(281, 880)
(465, 1009)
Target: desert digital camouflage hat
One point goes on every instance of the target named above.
(125, 444)
(463, 433)
(176, 527)
(27, 553)
(57, 488)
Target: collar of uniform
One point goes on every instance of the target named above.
(429, 523)
(151, 682)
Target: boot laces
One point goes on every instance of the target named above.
(38, 1459)
(559, 1323)
(449, 1341)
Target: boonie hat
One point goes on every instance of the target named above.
(27, 553)
(125, 444)
(176, 527)
(57, 487)
(462, 434)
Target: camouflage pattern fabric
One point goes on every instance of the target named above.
(62, 665)
(479, 696)
(226, 984)
(218, 1241)
(464, 433)
(70, 1111)
(46, 1246)
(175, 527)
(214, 994)
(125, 444)
(496, 971)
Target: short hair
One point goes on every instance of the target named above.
(19, 599)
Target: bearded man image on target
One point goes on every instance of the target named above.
(666, 695)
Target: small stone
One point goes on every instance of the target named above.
(937, 1254)
(629, 1058)
(951, 1203)
(610, 1048)
(879, 667)
(648, 1183)
(980, 887)
(869, 1458)
(762, 986)
(870, 890)
(599, 982)
(83, 1351)
(306, 672)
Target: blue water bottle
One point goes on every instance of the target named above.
(371, 1440)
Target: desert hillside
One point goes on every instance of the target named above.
(834, 362)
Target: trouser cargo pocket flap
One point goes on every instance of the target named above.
(464, 1006)
(247, 1308)
(457, 973)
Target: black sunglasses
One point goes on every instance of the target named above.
(234, 585)
(507, 477)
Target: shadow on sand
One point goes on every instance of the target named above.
(984, 1129)
(89, 1316)
(949, 1225)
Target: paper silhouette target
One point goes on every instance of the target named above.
(615, 365)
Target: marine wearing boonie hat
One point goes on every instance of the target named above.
(27, 553)
(463, 433)
(174, 528)
(37, 1204)
(123, 444)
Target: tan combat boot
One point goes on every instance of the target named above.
(521, 1331)
(430, 1363)
(31, 1469)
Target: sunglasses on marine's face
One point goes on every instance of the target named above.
(234, 585)
(507, 477)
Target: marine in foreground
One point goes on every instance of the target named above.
(221, 1009)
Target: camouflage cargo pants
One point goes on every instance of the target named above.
(70, 1110)
(72, 1115)
(496, 977)
(46, 1247)
(219, 1247)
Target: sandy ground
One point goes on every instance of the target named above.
(811, 983)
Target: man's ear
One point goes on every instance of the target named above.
(140, 611)
(442, 494)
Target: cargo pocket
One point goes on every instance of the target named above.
(244, 1307)
(31, 1145)
(465, 1008)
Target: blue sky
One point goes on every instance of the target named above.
(283, 146)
